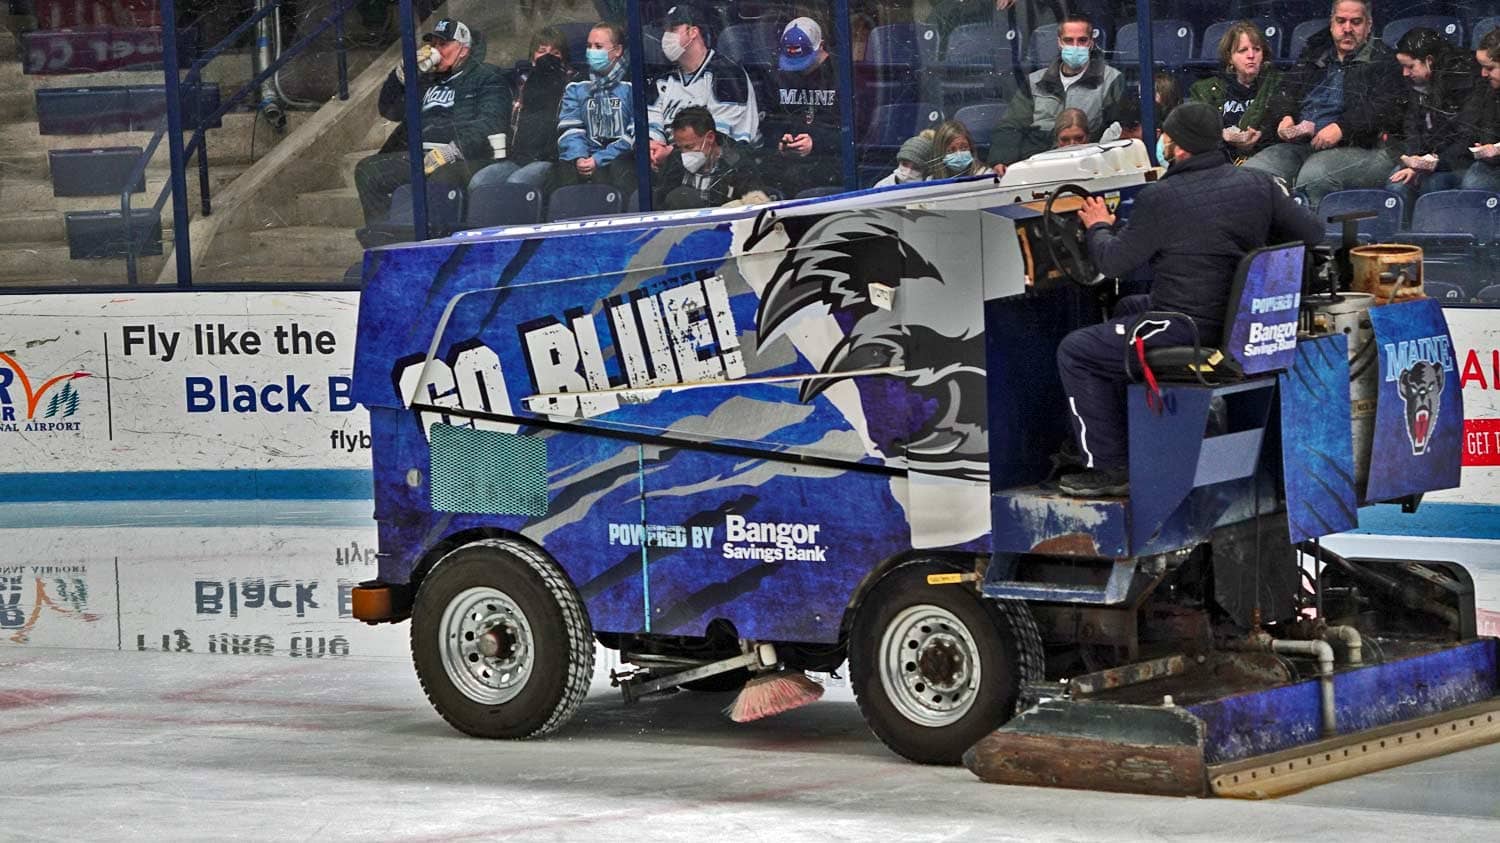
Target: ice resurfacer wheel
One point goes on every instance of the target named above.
(936, 668)
(501, 641)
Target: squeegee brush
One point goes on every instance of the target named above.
(773, 693)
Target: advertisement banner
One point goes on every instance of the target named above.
(1418, 409)
(243, 384)
(1476, 349)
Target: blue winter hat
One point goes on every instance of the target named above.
(799, 45)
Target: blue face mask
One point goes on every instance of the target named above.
(958, 161)
(1161, 151)
(1075, 57)
(598, 60)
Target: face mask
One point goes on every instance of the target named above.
(1075, 57)
(1162, 153)
(671, 44)
(598, 60)
(905, 173)
(958, 161)
(693, 161)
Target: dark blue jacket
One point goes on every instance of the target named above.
(1193, 227)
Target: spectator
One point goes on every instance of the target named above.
(597, 119)
(913, 160)
(1128, 126)
(1442, 78)
(1242, 90)
(1334, 107)
(703, 78)
(705, 168)
(464, 101)
(953, 151)
(1475, 141)
(533, 146)
(1166, 93)
(1072, 129)
(1077, 78)
(806, 124)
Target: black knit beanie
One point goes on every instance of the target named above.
(1195, 126)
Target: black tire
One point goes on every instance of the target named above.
(936, 723)
(534, 682)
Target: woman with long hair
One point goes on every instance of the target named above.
(953, 151)
(1441, 78)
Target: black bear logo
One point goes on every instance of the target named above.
(1421, 387)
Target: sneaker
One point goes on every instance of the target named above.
(1097, 483)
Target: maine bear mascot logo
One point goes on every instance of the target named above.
(1421, 389)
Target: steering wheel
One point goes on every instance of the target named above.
(1066, 241)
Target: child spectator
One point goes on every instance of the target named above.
(912, 162)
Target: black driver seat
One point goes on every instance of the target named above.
(1211, 364)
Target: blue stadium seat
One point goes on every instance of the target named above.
(1466, 212)
(1300, 33)
(1449, 27)
(977, 65)
(445, 213)
(1383, 227)
(501, 203)
(577, 33)
(576, 201)
(1481, 28)
(1172, 43)
(1489, 295)
(814, 192)
(891, 125)
(910, 45)
(980, 119)
(1208, 50)
(751, 44)
(1444, 291)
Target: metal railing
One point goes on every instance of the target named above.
(171, 126)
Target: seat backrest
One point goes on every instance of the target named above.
(1450, 28)
(1300, 35)
(1489, 295)
(1262, 312)
(1041, 45)
(979, 46)
(502, 203)
(583, 200)
(1482, 27)
(980, 119)
(892, 124)
(1458, 212)
(1443, 291)
(908, 44)
(1208, 49)
(445, 207)
(814, 192)
(751, 43)
(1171, 43)
(1387, 206)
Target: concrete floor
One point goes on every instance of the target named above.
(101, 745)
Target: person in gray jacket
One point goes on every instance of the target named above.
(1077, 78)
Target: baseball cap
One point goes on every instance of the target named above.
(800, 41)
(449, 29)
(684, 13)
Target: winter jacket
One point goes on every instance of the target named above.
(1478, 123)
(734, 174)
(534, 119)
(1432, 116)
(719, 85)
(1193, 226)
(464, 106)
(1257, 115)
(1026, 128)
(1374, 91)
(597, 117)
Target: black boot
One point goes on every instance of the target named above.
(1097, 483)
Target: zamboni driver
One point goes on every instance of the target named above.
(1193, 227)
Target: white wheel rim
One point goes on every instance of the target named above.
(486, 645)
(929, 666)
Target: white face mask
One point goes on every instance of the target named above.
(906, 173)
(694, 161)
(671, 44)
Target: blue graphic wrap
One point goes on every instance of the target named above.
(1418, 407)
